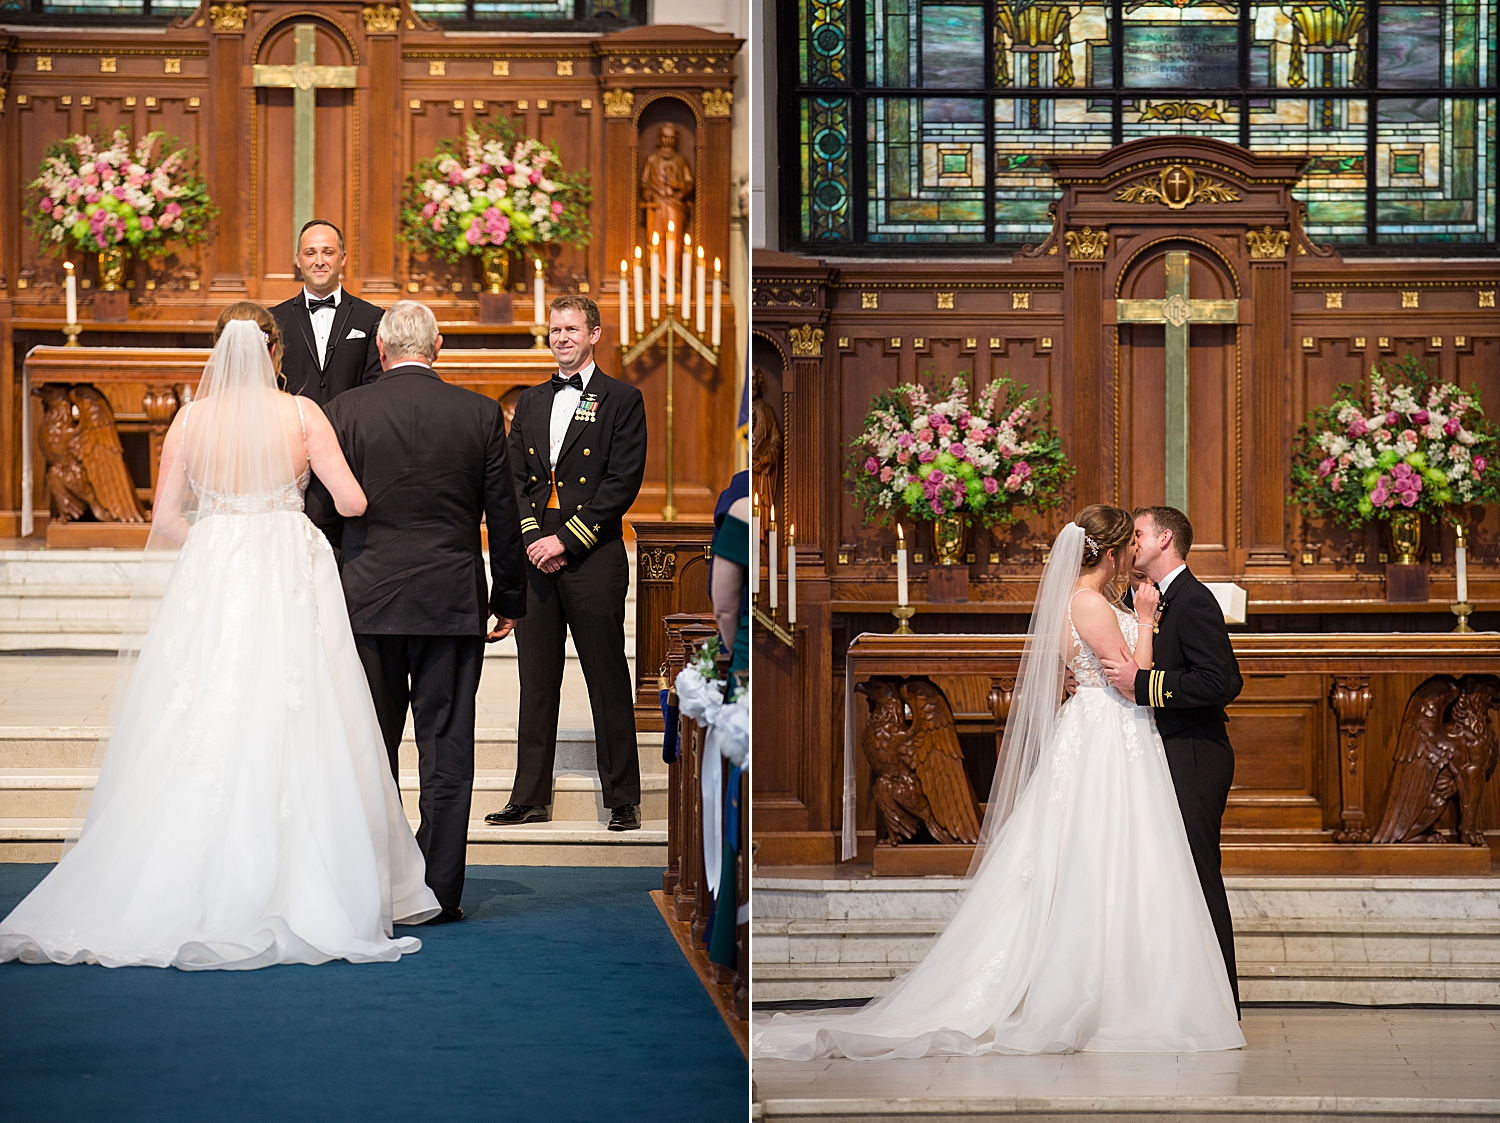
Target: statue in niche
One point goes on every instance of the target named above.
(918, 764)
(1445, 752)
(85, 463)
(666, 188)
(765, 455)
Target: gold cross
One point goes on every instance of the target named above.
(305, 77)
(1178, 312)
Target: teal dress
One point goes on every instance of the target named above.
(732, 543)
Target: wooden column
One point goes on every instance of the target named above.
(1089, 363)
(1264, 486)
(226, 168)
(1350, 699)
(380, 100)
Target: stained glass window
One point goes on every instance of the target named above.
(929, 121)
(485, 13)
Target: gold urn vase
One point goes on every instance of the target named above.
(494, 263)
(112, 269)
(950, 538)
(1406, 537)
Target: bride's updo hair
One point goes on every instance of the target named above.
(249, 310)
(1105, 528)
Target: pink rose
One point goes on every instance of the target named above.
(937, 507)
(1325, 467)
(1345, 460)
(118, 193)
(1409, 435)
(991, 484)
(1408, 498)
(871, 465)
(534, 178)
(936, 476)
(1392, 417)
(1401, 471)
(886, 473)
(1012, 482)
(1358, 428)
(936, 421)
(1337, 483)
(927, 457)
(91, 180)
(429, 210)
(958, 450)
(102, 167)
(72, 198)
(903, 456)
(1451, 427)
(945, 430)
(507, 169)
(437, 224)
(148, 223)
(472, 236)
(1420, 417)
(1480, 464)
(58, 212)
(455, 178)
(557, 208)
(485, 169)
(924, 435)
(1383, 436)
(1379, 495)
(904, 440)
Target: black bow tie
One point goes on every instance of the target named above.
(325, 302)
(575, 382)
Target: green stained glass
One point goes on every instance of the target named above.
(1436, 176)
(825, 42)
(927, 170)
(825, 170)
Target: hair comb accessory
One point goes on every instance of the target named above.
(1088, 540)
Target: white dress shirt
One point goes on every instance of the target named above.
(564, 403)
(322, 321)
(1169, 578)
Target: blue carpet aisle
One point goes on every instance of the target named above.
(562, 997)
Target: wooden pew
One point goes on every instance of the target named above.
(1314, 732)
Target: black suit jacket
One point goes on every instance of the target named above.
(1194, 674)
(599, 469)
(431, 458)
(351, 361)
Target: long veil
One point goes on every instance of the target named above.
(232, 452)
(1038, 691)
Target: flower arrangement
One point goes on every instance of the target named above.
(1412, 443)
(121, 196)
(924, 459)
(499, 191)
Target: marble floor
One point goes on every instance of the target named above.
(1434, 1059)
(50, 690)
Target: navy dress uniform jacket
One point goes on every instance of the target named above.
(1195, 674)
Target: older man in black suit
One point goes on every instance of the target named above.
(329, 334)
(432, 459)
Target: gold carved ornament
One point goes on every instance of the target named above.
(1086, 244)
(1267, 243)
(1182, 111)
(228, 17)
(618, 103)
(1177, 186)
(716, 103)
(807, 342)
(658, 564)
(381, 19)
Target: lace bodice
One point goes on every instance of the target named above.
(287, 497)
(1084, 663)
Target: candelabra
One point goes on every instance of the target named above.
(669, 328)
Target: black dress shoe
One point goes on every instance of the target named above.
(626, 817)
(517, 813)
(447, 916)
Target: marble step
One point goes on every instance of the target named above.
(1356, 940)
(537, 844)
(577, 797)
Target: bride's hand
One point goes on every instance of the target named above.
(1145, 598)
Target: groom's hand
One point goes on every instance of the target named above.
(504, 625)
(547, 553)
(1121, 672)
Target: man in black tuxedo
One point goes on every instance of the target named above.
(329, 334)
(432, 458)
(1193, 677)
(578, 450)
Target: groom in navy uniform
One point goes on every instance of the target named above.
(578, 451)
(328, 334)
(1193, 677)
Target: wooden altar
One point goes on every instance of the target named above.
(827, 338)
(604, 99)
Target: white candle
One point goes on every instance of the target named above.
(791, 575)
(539, 295)
(771, 557)
(671, 264)
(640, 296)
(718, 319)
(71, 285)
(702, 304)
(624, 304)
(687, 278)
(655, 277)
(1461, 557)
(754, 573)
(900, 566)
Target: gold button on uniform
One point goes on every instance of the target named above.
(579, 507)
(532, 451)
(533, 479)
(585, 452)
(582, 480)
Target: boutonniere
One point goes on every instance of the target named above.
(588, 408)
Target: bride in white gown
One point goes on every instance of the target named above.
(1083, 926)
(244, 812)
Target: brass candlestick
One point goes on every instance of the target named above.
(72, 331)
(1462, 611)
(539, 334)
(904, 613)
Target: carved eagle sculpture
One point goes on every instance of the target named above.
(97, 446)
(886, 745)
(66, 480)
(1439, 760)
(938, 761)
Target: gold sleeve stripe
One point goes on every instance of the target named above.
(580, 528)
(1158, 682)
(530, 524)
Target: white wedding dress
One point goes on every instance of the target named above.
(1085, 928)
(245, 812)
